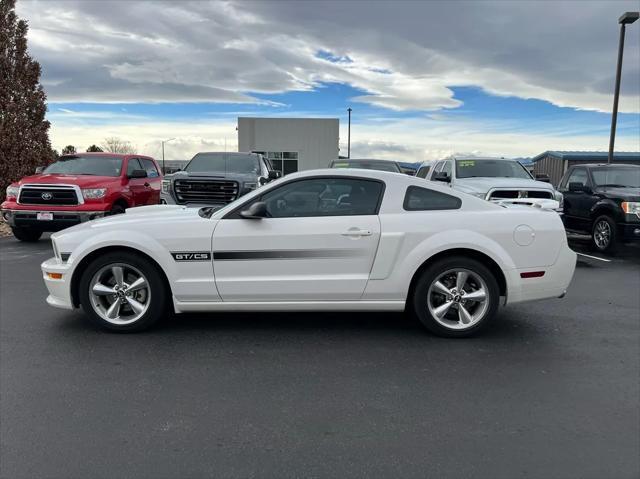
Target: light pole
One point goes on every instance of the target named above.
(163, 142)
(627, 19)
(349, 135)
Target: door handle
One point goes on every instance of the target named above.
(147, 184)
(356, 233)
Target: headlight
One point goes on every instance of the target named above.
(251, 186)
(12, 191)
(559, 197)
(166, 186)
(94, 193)
(631, 207)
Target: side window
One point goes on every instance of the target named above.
(579, 175)
(447, 168)
(423, 171)
(150, 168)
(423, 199)
(324, 197)
(133, 164)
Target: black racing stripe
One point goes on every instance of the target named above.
(285, 254)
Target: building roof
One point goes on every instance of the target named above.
(588, 155)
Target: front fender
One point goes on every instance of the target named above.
(123, 238)
(606, 206)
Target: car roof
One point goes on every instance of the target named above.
(497, 158)
(228, 153)
(103, 153)
(370, 160)
(609, 165)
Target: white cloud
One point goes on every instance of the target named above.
(406, 55)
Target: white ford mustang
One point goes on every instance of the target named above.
(352, 240)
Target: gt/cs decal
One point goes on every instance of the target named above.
(191, 256)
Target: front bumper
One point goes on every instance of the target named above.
(61, 219)
(59, 288)
(629, 231)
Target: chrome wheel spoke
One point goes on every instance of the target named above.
(102, 290)
(441, 288)
(461, 280)
(114, 310)
(139, 283)
(135, 305)
(118, 275)
(477, 295)
(464, 315)
(441, 310)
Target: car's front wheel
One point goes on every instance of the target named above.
(122, 292)
(456, 297)
(28, 235)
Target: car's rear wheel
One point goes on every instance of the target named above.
(122, 292)
(28, 235)
(456, 297)
(603, 235)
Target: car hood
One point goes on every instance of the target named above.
(483, 185)
(626, 194)
(134, 218)
(85, 181)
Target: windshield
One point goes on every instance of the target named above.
(221, 162)
(86, 165)
(616, 177)
(368, 165)
(491, 169)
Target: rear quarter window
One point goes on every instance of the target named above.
(424, 199)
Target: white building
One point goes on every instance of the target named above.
(292, 144)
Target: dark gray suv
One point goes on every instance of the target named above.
(217, 178)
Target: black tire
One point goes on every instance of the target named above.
(599, 242)
(116, 209)
(477, 272)
(158, 292)
(28, 235)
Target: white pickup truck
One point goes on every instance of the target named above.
(496, 179)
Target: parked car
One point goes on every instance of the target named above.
(77, 188)
(495, 179)
(380, 165)
(320, 240)
(603, 200)
(217, 178)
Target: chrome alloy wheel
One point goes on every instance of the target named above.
(602, 234)
(119, 293)
(458, 299)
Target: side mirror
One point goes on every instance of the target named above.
(256, 211)
(274, 174)
(138, 174)
(576, 187)
(544, 178)
(39, 170)
(441, 176)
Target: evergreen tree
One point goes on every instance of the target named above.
(94, 149)
(69, 150)
(24, 138)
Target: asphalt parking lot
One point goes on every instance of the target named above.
(551, 390)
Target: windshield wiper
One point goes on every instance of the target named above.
(614, 185)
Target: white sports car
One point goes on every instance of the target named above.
(323, 240)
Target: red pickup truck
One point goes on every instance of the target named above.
(77, 188)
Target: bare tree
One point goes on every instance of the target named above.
(114, 144)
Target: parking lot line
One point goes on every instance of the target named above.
(594, 257)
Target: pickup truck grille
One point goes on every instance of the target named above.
(206, 191)
(48, 195)
(514, 194)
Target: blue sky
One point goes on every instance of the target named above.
(421, 93)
